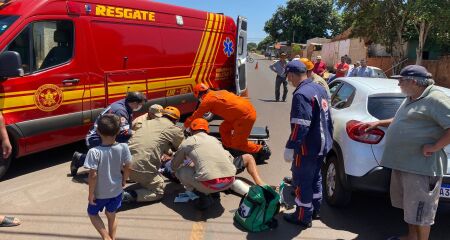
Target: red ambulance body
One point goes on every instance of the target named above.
(77, 57)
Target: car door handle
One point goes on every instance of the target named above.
(71, 81)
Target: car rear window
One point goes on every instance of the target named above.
(384, 107)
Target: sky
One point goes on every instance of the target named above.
(257, 11)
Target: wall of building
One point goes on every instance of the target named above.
(439, 68)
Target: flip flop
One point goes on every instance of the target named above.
(9, 222)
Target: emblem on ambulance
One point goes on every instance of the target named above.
(48, 97)
(228, 47)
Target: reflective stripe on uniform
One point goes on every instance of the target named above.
(302, 122)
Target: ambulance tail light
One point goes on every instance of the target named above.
(357, 131)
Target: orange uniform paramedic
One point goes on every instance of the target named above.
(238, 114)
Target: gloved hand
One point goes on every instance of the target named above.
(288, 155)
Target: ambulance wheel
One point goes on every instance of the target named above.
(4, 165)
(333, 190)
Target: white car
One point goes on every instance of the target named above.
(354, 161)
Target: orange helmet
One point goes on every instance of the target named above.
(172, 112)
(200, 124)
(199, 88)
(309, 65)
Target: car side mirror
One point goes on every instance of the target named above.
(10, 65)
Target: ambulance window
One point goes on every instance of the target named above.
(53, 43)
(21, 44)
(6, 21)
(241, 46)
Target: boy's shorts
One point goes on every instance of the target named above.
(238, 162)
(417, 195)
(111, 205)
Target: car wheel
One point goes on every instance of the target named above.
(333, 189)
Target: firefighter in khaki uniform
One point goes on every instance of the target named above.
(213, 169)
(155, 138)
(239, 116)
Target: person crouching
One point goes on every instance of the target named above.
(212, 171)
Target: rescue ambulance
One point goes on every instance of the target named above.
(63, 61)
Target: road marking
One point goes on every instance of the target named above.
(198, 231)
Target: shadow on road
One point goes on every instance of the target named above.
(371, 216)
(270, 100)
(43, 160)
(187, 210)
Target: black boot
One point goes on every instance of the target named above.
(203, 201)
(293, 218)
(316, 215)
(74, 163)
(263, 154)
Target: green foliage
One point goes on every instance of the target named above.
(251, 46)
(265, 42)
(301, 20)
(394, 22)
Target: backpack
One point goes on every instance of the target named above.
(258, 208)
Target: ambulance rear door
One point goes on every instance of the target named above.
(241, 55)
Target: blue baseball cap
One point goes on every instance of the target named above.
(413, 71)
(295, 67)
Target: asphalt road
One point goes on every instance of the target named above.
(52, 205)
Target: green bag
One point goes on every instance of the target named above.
(258, 208)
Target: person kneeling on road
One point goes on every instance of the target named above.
(214, 168)
(155, 138)
(124, 108)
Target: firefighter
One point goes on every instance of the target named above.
(213, 169)
(155, 138)
(124, 108)
(308, 144)
(238, 114)
(315, 77)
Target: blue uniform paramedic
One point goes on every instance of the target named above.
(124, 108)
(308, 144)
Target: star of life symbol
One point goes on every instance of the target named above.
(48, 97)
(228, 47)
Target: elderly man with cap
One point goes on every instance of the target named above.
(124, 108)
(148, 144)
(155, 111)
(278, 67)
(320, 67)
(415, 139)
(308, 144)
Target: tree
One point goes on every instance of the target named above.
(251, 46)
(381, 22)
(425, 15)
(265, 42)
(301, 20)
(392, 23)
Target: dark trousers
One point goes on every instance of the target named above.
(278, 82)
(307, 180)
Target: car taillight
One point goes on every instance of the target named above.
(357, 131)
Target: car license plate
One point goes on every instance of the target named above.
(445, 191)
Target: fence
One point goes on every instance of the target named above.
(439, 68)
